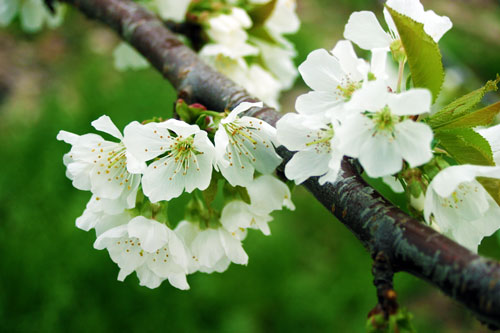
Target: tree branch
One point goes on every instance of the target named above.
(404, 242)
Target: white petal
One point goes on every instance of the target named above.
(380, 156)
(364, 29)
(233, 248)
(373, 96)
(414, 140)
(235, 215)
(103, 240)
(436, 26)
(317, 103)
(104, 124)
(126, 57)
(267, 194)
(348, 60)
(448, 179)
(378, 63)
(32, 15)
(172, 10)
(393, 183)
(411, 102)
(148, 278)
(321, 71)
(305, 164)
(159, 181)
(68, 137)
(152, 234)
(180, 127)
(354, 132)
(242, 107)
(146, 142)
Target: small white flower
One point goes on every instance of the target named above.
(172, 9)
(212, 250)
(228, 36)
(185, 162)
(364, 29)
(459, 205)
(334, 77)
(267, 194)
(98, 216)
(379, 134)
(283, 19)
(279, 61)
(243, 145)
(316, 144)
(148, 247)
(126, 57)
(101, 166)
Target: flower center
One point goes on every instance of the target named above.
(384, 120)
(321, 140)
(347, 87)
(184, 154)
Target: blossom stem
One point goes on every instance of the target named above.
(400, 74)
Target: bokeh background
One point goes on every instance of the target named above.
(311, 275)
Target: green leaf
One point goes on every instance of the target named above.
(260, 13)
(466, 146)
(461, 106)
(492, 186)
(424, 57)
(481, 117)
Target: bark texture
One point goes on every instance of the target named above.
(404, 243)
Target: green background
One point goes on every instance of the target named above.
(310, 275)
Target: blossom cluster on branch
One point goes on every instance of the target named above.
(443, 160)
(242, 39)
(223, 165)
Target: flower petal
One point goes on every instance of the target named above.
(104, 124)
(411, 102)
(321, 71)
(414, 141)
(364, 29)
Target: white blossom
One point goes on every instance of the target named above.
(185, 162)
(316, 144)
(364, 29)
(172, 9)
(460, 206)
(244, 145)
(228, 36)
(283, 19)
(126, 57)
(148, 247)
(334, 77)
(102, 166)
(212, 250)
(267, 194)
(380, 135)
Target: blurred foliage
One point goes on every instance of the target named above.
(310, 275)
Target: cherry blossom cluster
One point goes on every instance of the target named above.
(225, 169)
(243, 40)
(357, 110)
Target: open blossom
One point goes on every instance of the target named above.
(334, 77)
(380, 134)
(102, 166)
(244, 145)
(97, 217)
(267, 194)
(185, 162)
(316, 144)
(364, 29)
(172, 9)
(212, 250)
(460, 206)
(148, 247)
(228, 36)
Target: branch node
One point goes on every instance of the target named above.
(383, 280)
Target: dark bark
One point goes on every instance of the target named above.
(405, 243)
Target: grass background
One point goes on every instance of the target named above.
(310, 275)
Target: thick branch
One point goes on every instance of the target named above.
(407, 244)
